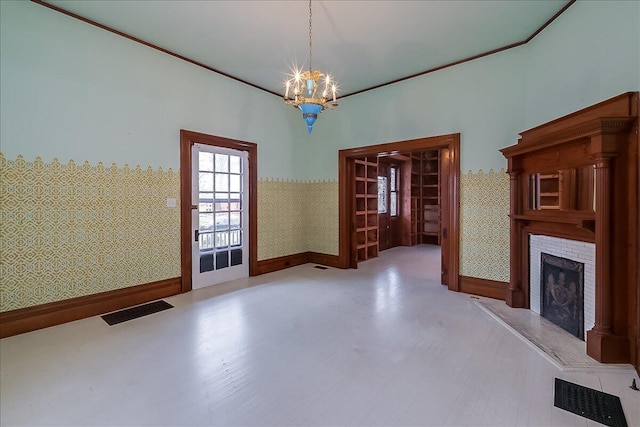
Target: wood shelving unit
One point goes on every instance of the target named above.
(416, 185)
(431, 197)
(549, 195)
(424, 203)
(366, 203)
(425, 197)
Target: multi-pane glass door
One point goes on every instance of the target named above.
(219, 215)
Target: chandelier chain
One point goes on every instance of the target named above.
(310, 65)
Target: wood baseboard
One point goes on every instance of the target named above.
(324, 259)
(483, 287)
(29, 319)
(280, 263)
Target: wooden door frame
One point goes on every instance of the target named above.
(346, 190)
(187, 139)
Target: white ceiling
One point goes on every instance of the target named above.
(362, 44)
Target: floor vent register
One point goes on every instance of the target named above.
(589, 403)
(136, 312)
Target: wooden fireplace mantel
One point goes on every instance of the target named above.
(576, 177)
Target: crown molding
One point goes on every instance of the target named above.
(222, 73)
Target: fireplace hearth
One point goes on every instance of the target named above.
(562, 296)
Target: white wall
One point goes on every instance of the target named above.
(481, 99)
(70, 90)
(589, 54)
(73, 91)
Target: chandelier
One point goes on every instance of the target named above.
(305, 93)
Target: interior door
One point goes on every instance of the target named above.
(384, 220)
(445, 210)
(395, 207)
(220, 217)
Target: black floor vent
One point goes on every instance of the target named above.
(135, 312)
(589, 403)
(319, 267)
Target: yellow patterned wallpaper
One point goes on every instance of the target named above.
(297, 216)
(70, 230)
(321, 216)
(484, 234)
(281, 223)
(294, 212)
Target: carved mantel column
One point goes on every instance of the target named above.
(603, 342)
(515, 295)
(603, 248)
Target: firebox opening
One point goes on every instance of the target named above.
(562, 296)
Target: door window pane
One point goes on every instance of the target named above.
(236, 257)
(206, 241)
(222, 182)
(392, 177)
(235, 164)
(393, 206)
(222, 239)
(222, 220)
(382, 194)
(205, 161)
(222, 163)
(205, 207)
(235, 183)
(234, 222)
(222, 260)
(206, 181)
(235, 238)
(206, 262)
(206, 222)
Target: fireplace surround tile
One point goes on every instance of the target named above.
(571, 249)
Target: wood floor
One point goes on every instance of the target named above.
(382, 345)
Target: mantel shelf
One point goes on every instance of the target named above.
(585, 220)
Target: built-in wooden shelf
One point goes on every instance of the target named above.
(584, 221)
(366, 199)
(425, 197)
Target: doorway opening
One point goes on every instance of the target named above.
(363, 221)
(231, 241)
